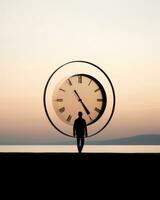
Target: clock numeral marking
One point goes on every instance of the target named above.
(99, 100)
(97, 110)
(60, 100)
(97, 90)
(61, 110)
(90, 82)
(90, 118)
(69, 118)
(69, 81)
(62, 90)
(79, 79)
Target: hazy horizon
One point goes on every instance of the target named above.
(122, 37)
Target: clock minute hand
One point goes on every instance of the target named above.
(80, 100)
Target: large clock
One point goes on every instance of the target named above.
(80, 92)
(79, 86)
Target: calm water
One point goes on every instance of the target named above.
(87, 148)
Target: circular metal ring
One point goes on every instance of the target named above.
(110, 82)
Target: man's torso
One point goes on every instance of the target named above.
(80, 125)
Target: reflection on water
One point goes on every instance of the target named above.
(87, 148)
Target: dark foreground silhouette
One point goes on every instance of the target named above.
(80, 131)
(75, 168)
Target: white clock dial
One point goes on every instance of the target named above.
(80, 92)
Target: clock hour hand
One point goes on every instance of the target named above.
(80, 100)
(85, 108)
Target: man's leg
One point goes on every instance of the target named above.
(82, 143)
(78, 144)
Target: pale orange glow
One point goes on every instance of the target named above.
(38, 36)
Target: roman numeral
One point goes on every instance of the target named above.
(99, 100)
(90, 118)
(97, 90)
(69, 81)
(62, 90)
(61, 110)
(79, 79)
(90, 82)
(60, 100)
(97, 110)
(69, 118)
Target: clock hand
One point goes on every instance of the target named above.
(80, 100)
(85, 108)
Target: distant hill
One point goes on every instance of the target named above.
(135, 140)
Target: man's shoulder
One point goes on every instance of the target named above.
(76, 120)
(80, 119)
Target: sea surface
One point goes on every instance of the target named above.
(86, 149)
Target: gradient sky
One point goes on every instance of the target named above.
(37, 36)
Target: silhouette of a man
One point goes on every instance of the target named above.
(79, 131)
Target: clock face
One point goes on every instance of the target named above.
(79, 93)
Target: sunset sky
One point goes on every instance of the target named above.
(37, 36)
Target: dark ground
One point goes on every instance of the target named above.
(67, 159)
(69, 169)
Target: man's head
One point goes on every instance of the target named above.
(80, 114)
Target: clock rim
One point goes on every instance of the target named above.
(104, 96)
(104, 105)
(112, 88)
